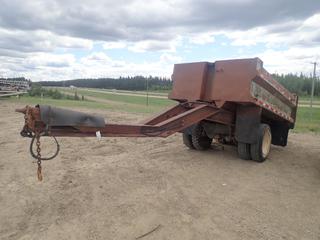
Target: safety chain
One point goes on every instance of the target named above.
(37, 154)
(39, 172)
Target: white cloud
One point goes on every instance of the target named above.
(114, 45)
(38, 66)
(170, 59)
(304, 33)
(100, 65)
(293, 60)
(155, 45)
(33, 34)
(71, 42)
(312, 21)
(18, 41)
(291, 46)
(43, 60)
(96, 57)
(202, 38)
(46, 66)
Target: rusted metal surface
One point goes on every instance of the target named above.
(229, 99)
(182, 116)
(165, 115)
(205, 91)
(240, 81)
(189, 81)
(231, 81)
(31, 117)
(223, 117)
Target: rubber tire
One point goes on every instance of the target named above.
(244, 151)
(200, 140)
(256, 149)
(187, 140)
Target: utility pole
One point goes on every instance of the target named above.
(313, 80)
(147, 83)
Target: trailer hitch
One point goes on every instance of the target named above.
(40, 121)
(32, 129)
(46, 121)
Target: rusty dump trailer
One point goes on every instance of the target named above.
(232, 101)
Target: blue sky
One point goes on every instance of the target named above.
(89, 38)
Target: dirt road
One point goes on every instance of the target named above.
(128, 93)
(121, 188)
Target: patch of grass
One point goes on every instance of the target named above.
(139, 100)
(151, 93)
(56, 102)
(307, 103)
(38, 91)
(308, 120)
(307, 98)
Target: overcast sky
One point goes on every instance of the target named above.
(65, 39)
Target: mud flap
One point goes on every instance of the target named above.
(248, 120)
(279, 132)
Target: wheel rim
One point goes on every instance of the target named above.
(266, 143)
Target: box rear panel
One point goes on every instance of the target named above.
(189, 81)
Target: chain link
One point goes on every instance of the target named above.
(39, 172)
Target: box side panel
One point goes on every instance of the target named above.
(189, 81)
(274, 102)
(232, 80)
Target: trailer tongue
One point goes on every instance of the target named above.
(232, 101)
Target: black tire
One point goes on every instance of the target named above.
(187, 140)
(260, 150)
(244, 151)
(200, 140)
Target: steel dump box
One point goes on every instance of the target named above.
(241, 81)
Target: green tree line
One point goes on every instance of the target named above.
(136, 83)
(299, 84)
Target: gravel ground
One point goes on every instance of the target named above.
(122, 188)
